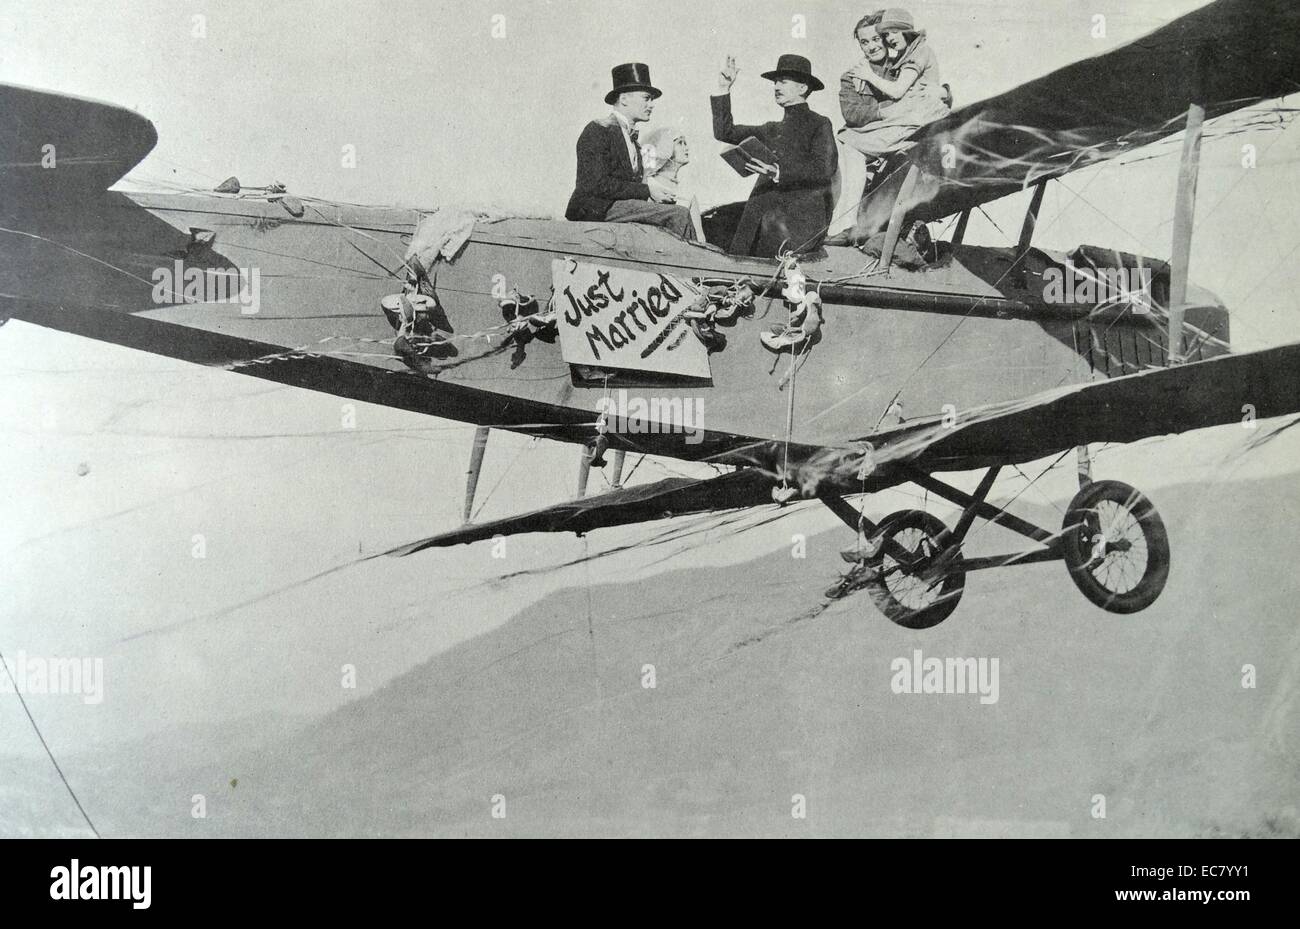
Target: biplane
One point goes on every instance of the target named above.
(961, 362)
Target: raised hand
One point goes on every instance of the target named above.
(727, 76)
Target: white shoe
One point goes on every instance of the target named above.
(780, 341)
(784, 494)
(865, 550)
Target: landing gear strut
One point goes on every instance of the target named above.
(1113, 543)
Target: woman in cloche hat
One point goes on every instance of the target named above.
(914, 93)
(911, 95)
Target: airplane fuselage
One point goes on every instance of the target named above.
(928, 343)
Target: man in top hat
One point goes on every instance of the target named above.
(791, 204)
(611, 183)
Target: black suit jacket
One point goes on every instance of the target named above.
(605, 173)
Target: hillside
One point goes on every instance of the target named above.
(757, 699)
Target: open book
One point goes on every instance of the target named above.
(751, 148)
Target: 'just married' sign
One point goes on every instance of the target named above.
(617, 318)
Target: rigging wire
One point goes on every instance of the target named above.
(504, 474)
(640, 461)
(45, 745)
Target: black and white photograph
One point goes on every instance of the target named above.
(539, 419)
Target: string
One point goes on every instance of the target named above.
(45, 745)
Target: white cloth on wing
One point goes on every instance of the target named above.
(440, 235)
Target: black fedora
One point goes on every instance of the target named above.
(630, 77)
(796, 68)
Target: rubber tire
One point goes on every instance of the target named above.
(1076, 546)
(951, 588)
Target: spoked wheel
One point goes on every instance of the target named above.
(917, 592)
(1115, 547)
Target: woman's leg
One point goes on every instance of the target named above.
(873, 215)
(850, 178)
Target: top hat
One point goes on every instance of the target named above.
(630, 77)
(796, 68)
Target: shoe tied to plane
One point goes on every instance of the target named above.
(865, 549)
(805, 322)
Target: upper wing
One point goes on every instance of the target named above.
(1240, 52)
(55, 144)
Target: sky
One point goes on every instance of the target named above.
(426, 89)
(441, 111)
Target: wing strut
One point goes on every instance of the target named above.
(1189, 169)
(620, 456)
(1031, 221)
(1184, 211)
(584, 470)
(959, 234)
(1083, 459)
(897, 215)
(475, 466)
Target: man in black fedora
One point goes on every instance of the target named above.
(611, 183)
(791, 204)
